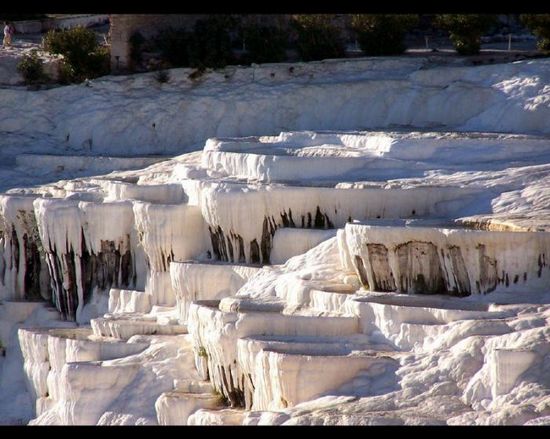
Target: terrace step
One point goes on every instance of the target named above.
(124, 326)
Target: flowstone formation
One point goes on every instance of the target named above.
(283, 279)
(312, 277)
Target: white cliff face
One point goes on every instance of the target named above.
(195, 281)
(139, 115)
(23, 383)
(300, 277)
(94, 252)
(433, 260)
(168, 232)
(24, 273)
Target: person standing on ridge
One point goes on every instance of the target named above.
(8, 32)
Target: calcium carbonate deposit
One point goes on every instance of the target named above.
(359, 242)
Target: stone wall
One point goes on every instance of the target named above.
(39, 26)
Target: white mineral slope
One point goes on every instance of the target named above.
(369, 155)
(17, 403)
(479, 175)
(249, 214)
(193, 281)
(137, 115)
(318, 269)
(121, 391)
(459, 361)
(482, 378)
(477, 367)
(245, 200)
(168, 232)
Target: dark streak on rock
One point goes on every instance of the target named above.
(99, 272)
(459, 272)
(381, 273)
(33, 267)
(242, 257)
(14, 243)
(319, 219)
(254, 252)
(420, 270)
(230, 249)
(290, 220)
(266, 241)
(488, 278)
(361, 271)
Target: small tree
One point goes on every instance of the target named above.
(465, 31)
(264, 43)
(136, 41)
(210, 43)
(382, 34)
(79, 46)
(539, 24)
(174, 46)
(32, 68)
(318, 37)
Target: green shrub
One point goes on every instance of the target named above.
(65, 73)
(317, 37)
(465, 31)
(173, 45)
(210, 43)
(382, 34)
(197, 74)
(32, 68)
(136, 41)
(162, 76)
(264, 43)
(539, 24)
(84, 57)
(98, 63)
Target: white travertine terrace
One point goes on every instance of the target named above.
(343, 271)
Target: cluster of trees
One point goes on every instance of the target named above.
(213, 41)
(317, 36)
(83, 57)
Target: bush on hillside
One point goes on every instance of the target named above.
(207, 45)
(382, 34)
(162, 76)
(539, 24)
(317, 37)
(136, 41)
(83, 56)
(210, 44)
(264, 44)
(173, 45)
(32, 69)
(465, 31)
